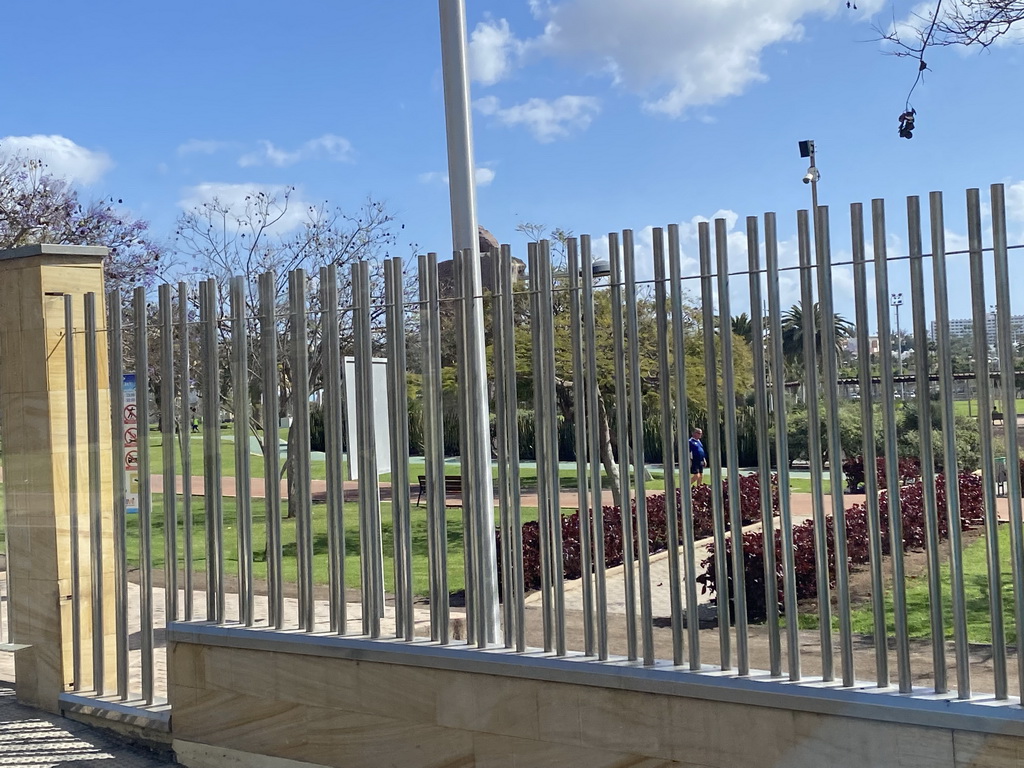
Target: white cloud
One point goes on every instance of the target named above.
(675, 54)
(1015, 201)
(63, 157)
(201, 147)
(493, 51)
(484, 176)
(238, 198)
(546, 120)
(326, 147)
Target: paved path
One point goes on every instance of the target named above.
(29, 738)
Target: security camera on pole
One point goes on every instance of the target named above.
(812, 175)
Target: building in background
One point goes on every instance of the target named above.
(965, 327)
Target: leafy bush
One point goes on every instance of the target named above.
(317, 437)
(657, 528)
(908, 469)
(857, 542)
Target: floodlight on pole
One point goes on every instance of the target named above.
(897, 302)
(479, 498)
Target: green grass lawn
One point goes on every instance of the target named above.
(979, 627)
(970, 407)
(318, 468)
(421, 584)
(804, 485)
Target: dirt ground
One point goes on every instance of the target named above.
(921, 661)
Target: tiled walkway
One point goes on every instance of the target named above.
(33, 739)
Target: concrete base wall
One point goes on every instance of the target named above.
(315, 705)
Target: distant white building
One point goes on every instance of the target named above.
(965, 327)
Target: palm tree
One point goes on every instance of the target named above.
(741, 327)
(793, 334)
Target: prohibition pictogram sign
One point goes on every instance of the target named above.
(131, 459)
(129, 413)
(131, 436)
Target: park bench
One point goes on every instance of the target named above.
(452, 487)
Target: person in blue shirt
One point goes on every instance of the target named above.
(698, 458)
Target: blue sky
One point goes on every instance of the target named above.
(591, 115)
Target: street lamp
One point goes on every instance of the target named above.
(459, 133)
(897, 302)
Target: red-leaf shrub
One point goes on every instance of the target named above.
(657, 528)
(857, 542)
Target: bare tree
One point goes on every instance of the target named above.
(978, 23)
(955, 22)
(259, 237)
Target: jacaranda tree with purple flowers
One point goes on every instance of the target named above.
(38, 207)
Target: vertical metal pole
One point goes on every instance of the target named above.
(830, 377)
(551, 463)
(949, 458)
(899, 590)
(467, 470)
(622, 433)
(502, 396)
(714, 438)
(867, 417)
(461, 172)
(402, 533)
(739, 588)
(682, 431)
(593, 419)
(511, 417)
(478, 509)
(771, 256)
(810, 339)
(212, 467)
(433, 449)
(543, 442)
(764, 470)
(372, 553)
(580, 423)
(170, 497)
(300, 461)
(333, 426)
(116, 365)
(185, 442)
(92, 401)
(243, 472)
(145, 497)
(981, 376)
(636, 410)
(1007, 374)
(668, 446)
(924, 416)
(72, 400)
(271, 446)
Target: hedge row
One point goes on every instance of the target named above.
(857, 542)
(657, 528)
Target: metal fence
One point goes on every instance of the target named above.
(243, 547)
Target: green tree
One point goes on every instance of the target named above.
(793, 328)
(742, 327)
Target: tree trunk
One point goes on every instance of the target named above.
(607, 455)
(288, 470)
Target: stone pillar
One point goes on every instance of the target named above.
(34, 421)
